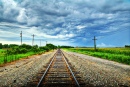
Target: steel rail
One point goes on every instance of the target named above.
(43, 76)
(46, 71)
(77, 83)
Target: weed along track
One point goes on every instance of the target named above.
(59, 73)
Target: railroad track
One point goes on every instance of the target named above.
(59, 73)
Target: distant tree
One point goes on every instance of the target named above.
(35, 48)
(127, 46)
(1, 46)
(23, 50)
(58, 46)
(45, 48)
(66, 47)
(51, 46)
(15, 50)
(5, 46)
(12, 45)
(25, 46)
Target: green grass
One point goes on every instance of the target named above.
(121, 55)
(2, 51)
(9, 58)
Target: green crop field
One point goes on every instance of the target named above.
(9, 58)
(15, 52)
(2, 53)
(121, 55)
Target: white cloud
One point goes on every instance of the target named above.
(104, 45)
(110, 29)
(9, 3)
(10, 42)
(13, 25)
(70, 35)
(4, 33)
(80, 27)
(22, 17)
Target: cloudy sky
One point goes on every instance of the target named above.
(66, 22)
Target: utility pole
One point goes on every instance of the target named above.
(33, 40)
(21, 37)
(94, 42)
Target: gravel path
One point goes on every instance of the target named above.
(17, 74)
(100, 72)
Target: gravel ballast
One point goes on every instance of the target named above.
(100, 72)
(94, 71)
(22, 71)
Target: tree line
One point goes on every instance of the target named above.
(24, 48)
(127, 46)
(65, 47)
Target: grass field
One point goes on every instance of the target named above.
(9, 58)
(121, 55)
(1, 51)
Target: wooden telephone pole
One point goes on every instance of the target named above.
(33, 40)
(21, 37)
(94, 42)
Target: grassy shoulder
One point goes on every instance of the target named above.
(121, 55)
(10, 58)
(15, 52)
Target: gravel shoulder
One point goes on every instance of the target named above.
(100, 72)
(95, 71)
(17, 74)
